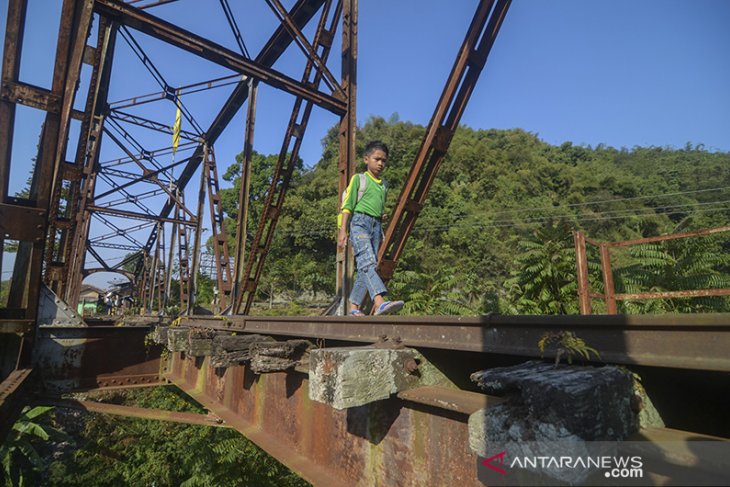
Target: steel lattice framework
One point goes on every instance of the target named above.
(108, 180)
(77, 207)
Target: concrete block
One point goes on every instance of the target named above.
(354, 376)
(177, 339)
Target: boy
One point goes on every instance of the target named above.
(366, 231)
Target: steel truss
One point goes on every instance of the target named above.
(139, 192)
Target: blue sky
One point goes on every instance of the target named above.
(623, 73)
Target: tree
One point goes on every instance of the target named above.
(545, 282)
(428, 294)
(494, 189)
(675, 265)
(125, 451)
(20, 460)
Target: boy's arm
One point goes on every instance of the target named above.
(342, 235)
(348, 206)
(350, 199)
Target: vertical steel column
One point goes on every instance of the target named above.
(72, 244)
(15, 30)
(183, 254)
(144, 282)
(80, 32)
(609, 290)
(348, 127)
(198, 234)
(168, 270)
(243, 200)
(581, 266)
(16, 294)
(161, 276)
(13, 47)
(154, 272)
(461, 82)
(220, 238)
(285, 166)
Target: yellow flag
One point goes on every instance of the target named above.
(176, 127)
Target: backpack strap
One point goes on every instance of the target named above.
(361, 188)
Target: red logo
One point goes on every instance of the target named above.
(487, 462)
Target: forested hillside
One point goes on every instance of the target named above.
(495, 234)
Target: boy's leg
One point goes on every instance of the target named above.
(376, 237)
(380, 305)
(359, 288)
(365, 259)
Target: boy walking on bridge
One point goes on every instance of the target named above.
(366, 205)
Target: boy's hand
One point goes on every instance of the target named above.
(384, 218)
(342, 239)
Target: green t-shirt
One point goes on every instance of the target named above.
(373, 200)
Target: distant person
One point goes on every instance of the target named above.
(109, 302)
(367, 207)
(117, 304)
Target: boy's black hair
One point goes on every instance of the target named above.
(374, 145)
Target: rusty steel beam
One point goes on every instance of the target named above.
(211, 51)
(136, 412)
(183, 90)
(22, 222)
(13, 396)
(151, 124)
(309, 50)
(284, 169)
(416, 437)
(692, 293)
(609, 295)
(75, 21)
(581, 266)
(97, 357)
(134, 178)
(138, 216)
(698, 341)
(62, 276)
(31, 96)
(673, 236)
(197, 236)
(239, 259)
(80, 29)
(12, 50)
(346, 135)
(11, 326)
(457, 400)
(183, 252)
(145, 169)
(390, 442)
(87, 158)
(219, 234)
(302, 12)
(608, 286)
(445, 120)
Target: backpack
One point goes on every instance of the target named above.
(360, 193)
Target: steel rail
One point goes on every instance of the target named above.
(682, 341)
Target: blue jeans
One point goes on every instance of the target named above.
(365, 235)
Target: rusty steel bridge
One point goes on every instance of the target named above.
(417, 436)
